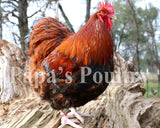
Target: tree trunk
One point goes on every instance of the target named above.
(23, 22)
(154, 44)
(88, 10)
(56, 12)
(66, 18)
(1, 20)
(137, 34)
(122, 105)
(12, 63)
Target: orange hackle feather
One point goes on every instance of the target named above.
(92, 43)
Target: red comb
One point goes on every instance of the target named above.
(102, 5)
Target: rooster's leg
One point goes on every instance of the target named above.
(79, 116)
(66, 121)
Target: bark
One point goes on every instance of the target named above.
(137, 33)
(88, 10)
(122, 105)
(23, 22)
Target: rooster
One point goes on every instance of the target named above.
(64, 58)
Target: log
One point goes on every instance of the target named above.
(12, 63)
(122, 105)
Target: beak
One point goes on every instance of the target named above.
(113, 17)
(98, 14)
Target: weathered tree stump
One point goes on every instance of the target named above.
(122, 105)
(12, 63)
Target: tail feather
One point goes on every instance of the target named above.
(47, 34)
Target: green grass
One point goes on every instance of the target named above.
(151, 85)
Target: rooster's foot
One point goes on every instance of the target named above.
(66, 121)
(77, 115)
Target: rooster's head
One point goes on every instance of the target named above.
(106, 14)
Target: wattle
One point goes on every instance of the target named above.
(108, 23)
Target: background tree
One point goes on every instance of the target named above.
(88, 6)
(136, 40)
(23, 21)
(137, 35)
(66, 18)
(1, 20)
(152, 14)
(18, 9)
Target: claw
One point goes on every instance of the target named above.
(65, 121)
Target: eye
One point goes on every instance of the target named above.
(103, 12)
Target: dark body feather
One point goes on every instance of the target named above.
(75, 94)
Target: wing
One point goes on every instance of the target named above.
(60, 64)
